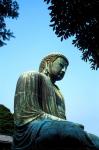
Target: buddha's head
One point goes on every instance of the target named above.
(54, 66)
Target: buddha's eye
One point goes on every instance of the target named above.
(61, 65)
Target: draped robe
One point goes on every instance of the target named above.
(35, 97)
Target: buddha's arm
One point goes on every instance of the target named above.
(44, 99)
(48, 116)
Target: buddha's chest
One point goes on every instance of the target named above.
(60, 103)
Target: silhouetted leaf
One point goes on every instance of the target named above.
(61, 38)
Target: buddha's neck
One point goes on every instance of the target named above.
(53, 80)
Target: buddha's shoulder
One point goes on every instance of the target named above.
(34, 74)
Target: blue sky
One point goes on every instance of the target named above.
(34, 40)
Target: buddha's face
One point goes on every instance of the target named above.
(57, 69)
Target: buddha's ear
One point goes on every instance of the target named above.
(46, 69)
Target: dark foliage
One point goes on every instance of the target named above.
(78, 18)
(6, 121)
(8, 9)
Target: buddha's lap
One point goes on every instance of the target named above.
(48, 132)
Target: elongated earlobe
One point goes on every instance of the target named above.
(46, 70)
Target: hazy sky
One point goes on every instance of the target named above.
(34, 40)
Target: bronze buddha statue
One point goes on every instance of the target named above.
(39, 110)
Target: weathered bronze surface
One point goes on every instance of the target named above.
(40, 114)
